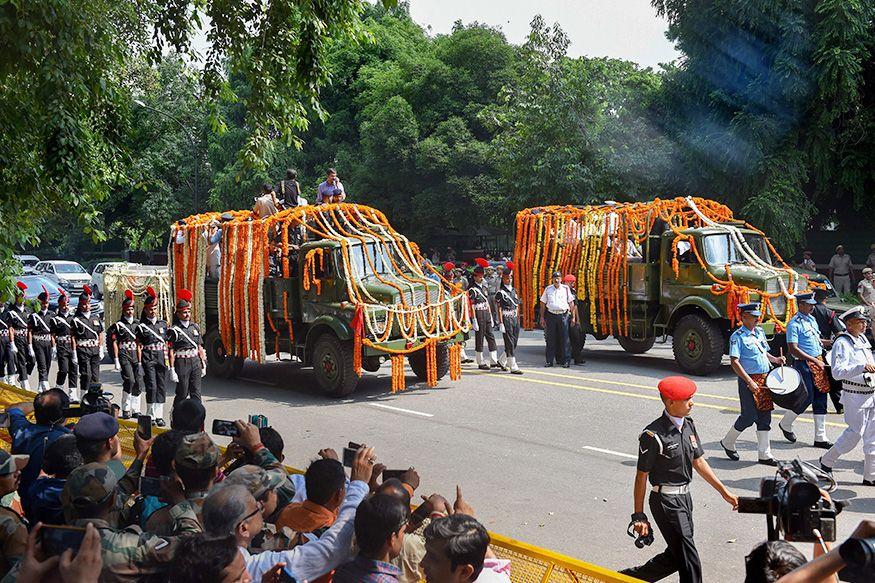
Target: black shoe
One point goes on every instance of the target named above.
(483, 367)
(566, 365)
(823, 444)
(160, 422)
(768, 462)
(467, 360)
(824, 468)
(126, 414)
(840, 410)
(788, 435)
(579, 361)
(501, 366)
(517, 371)
(731, 454)
(869, 482)
(548, 365)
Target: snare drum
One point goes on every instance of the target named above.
(788, 392)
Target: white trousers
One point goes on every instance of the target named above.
(860, 417)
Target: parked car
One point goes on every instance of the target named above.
(97, 275)
(67, 274)
(28, 262)
(35, 285)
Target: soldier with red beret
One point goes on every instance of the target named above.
(42, 345)
(188, 361)
(669, 450)
(151, 339)
(481, 319)
(126, 357)
(88, 341)
(62, 331)
(15, 317)
(507, 305)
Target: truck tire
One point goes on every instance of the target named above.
(372, 363)
(636, 346)
(697, 344)
(332, 362)
(417, 362)
(219, 363)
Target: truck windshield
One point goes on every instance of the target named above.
(720, 249)
(379, 261)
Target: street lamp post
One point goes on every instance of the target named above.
(194, 143)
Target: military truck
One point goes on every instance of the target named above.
(308, 311)
(684, 304)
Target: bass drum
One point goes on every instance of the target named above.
(787, 390)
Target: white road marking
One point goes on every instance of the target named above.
(610, 451)
(380, 405)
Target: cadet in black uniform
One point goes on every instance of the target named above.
(41, 342)
(15, 316)
(7, 359)
(188, 362)
(151, 334)
(507, 306)
(668, 452)
(481, 319)
(126, 355)
(62, 330)
(88, 340)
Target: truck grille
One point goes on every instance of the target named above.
(417, 298)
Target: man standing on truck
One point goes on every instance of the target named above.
(330, 191)
(151, 334)
(805, 345)
(557, 305)
(482, 320)
(750, 358)
(188, 362)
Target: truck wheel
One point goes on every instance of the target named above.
(417, 362)
(332, 361)
(697, 344)
(220, 363)
(371, 363)
(636, 346)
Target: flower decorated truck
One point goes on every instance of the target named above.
(333, 285)
(676, 267)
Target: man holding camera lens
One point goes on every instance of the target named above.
(668, 452)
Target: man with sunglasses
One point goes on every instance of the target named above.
(232, 510)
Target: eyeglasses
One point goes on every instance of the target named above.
(259, 507)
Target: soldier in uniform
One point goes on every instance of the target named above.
(830, 325)
(481, 319)
(854, 365)
(669, 450)
(62, 331)
(750, 358)
(7, 359)
(16, 316)
(13, 530)
(806, 346)
(126, 356)
(151, 334)
(576, 335)
(507, 306)
(88, 341)
(451, 274)
(42, 345)
(188, 362)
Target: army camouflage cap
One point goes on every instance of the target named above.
(256, 479)
(197, 452)
(9, 464)
(89, 485)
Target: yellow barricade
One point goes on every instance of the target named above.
(529, 564)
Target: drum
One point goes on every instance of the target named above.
(788, 392)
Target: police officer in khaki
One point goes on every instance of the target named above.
(13, 531)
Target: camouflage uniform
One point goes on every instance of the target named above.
(13, 529)
(260, 480)
(128, 554)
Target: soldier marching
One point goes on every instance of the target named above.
(126, 356)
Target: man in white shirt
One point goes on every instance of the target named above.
(866, 288)
(557, 303)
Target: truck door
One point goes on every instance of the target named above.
(322, 292)
(690, 273)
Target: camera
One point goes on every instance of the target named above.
(93, 401)
(859, 557)
(793, 504)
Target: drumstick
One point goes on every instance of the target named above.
(781, 371)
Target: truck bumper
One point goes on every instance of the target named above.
(396, 345)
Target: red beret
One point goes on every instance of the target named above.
(569, 278)
(449, 266)
(677, 388)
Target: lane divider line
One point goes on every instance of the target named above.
(399, 409)
(611, 452)
(620, 384)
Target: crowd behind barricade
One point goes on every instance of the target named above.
(184, 511)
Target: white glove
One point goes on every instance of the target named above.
(501, 328)
(203, 370)
(30, 351)
(54, 353)
(75, 359)
(117, 366)
(102, 352)
(173, 376)
(14, 348)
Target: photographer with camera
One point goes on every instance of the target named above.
(669, 450)
(853, 560)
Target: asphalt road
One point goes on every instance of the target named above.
(547, 457)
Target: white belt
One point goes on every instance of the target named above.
(509, 313)
(558, 313)
(671, 490)
(63, 339)
(43, 337)
(154, 346)
(128, 345)
(192, 353)
(86, 343)
(482, 306)
(20, 331)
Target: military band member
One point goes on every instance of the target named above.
(481, 319)
(7, 359)
(669, 450)
(126, 356)
(750, 360)
(806, 346)
(188, 362)
(507, 306)
(151, 336)
(16, 316)
(42, 344)
(854, 365)
(88, 341)
(62, 331)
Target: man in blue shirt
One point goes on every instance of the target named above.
(32, 438)
(805, 345)
(750, 358)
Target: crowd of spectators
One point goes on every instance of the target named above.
(182, 510)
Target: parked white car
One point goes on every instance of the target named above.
(67, 274)
(28, 262)
(97, 275)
